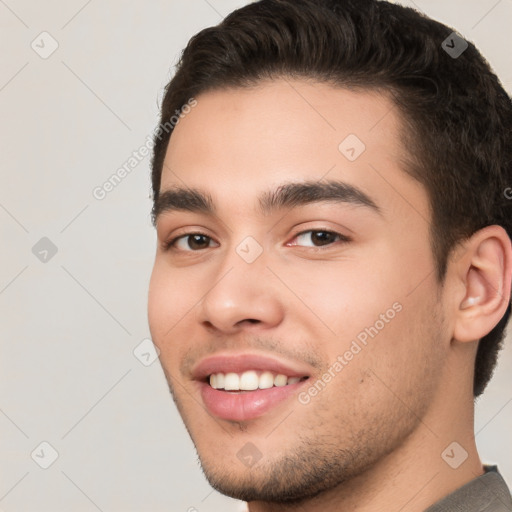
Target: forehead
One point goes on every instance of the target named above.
(237, 142)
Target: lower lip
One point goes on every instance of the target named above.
(245, 405)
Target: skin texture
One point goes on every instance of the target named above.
(372, 438)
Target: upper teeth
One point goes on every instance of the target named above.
(249, 380)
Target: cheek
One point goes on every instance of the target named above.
(344, 297)
(402, 353)
(364, 311)
(157, 299)
(169, 300)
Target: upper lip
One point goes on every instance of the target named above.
(239, 363)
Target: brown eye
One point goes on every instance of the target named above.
(318, 238)
(191, 242)
(323, 237)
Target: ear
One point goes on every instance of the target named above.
(484, 274)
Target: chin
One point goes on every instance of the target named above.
(289, 479)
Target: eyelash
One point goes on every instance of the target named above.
(169, 245)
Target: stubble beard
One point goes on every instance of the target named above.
(314, 465)
(324, 458)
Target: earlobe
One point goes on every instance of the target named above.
(485, 270)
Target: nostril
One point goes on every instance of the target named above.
(208, 325)
(248, 320)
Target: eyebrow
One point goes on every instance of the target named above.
(286, 196)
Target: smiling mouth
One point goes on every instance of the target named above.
(243, 387)
(250, 380)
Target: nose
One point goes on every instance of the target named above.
(243, 295)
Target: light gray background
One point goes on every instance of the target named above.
(69, 326)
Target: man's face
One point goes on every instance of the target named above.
(311, 260)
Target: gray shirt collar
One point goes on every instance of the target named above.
(487, 493)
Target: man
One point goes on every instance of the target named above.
(333, 272)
